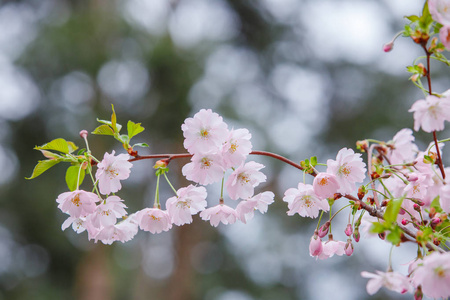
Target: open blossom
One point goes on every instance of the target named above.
(325, 185)
(332, 247)
(236, 148)
(440, 11)
(189, 201)
(348, 168)
(444, 198)
(404, 150)
(78, 224)
(204, 168)
(444, 35)
(433, 274)
(246, 209)
(219, 213)
(108, 211)
(430, 114)
(111, 170)
(205, 132)
(391, 280)
(123, 231)
(304, 201)
(418, 188)
(242, 182)
(154, 220)
(315, 246)
(78, 203)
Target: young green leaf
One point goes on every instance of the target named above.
(134, 128)
(114, 121)
(141, 145)
(313, 161)
(392, 210)
(103, 130)
(377, 227)
(72, 177)
(118, 126)
(60, 145)
(42, 166)
(394, 235)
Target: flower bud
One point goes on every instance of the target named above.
(315, 246)
(382, 235)
(404, 222)
(356, 235)
(362, 145)
(83, 134)
(418, 295)
(348, 247)
(160, 164)
(323, 230)
(388, 46)
(361, 192)
(349, 230)
(412, 177)
(416, 207)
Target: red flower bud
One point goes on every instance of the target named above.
(349, 230)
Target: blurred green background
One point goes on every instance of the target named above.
(305, 77)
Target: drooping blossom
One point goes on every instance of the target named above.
(78, 224)
(205, 132)
(440, 11)
(433, 274)
(78, 203)
(332, 247)
(246, 208)
(404, 150)
(242, 182)
(219, 213)
(315, 246)
(348, 168)
(154, 220)
(111, 170)
(304, 201)
(236, 148)
(189, 201)
(430, 114)
(108, 211)
(204, 168)
(123, 231)
(391, 280)
(325, 185)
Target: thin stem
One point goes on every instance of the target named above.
(221, 188)
(156, 203)
(79, 173)
(384, 195)
(338, 212)
(173, 189)
(439, 162)
(386, 189)
(320, 218)
(369, 171)
(390, 259)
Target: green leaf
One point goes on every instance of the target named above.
(392, 210)
(42, 166)
(72, 177)
(114, 120)
(377, 227)
(72, 146)
(394, 235)
(60, 145)
(141, 145)
(313, 161)
(81, 151)
(412, 18)
(50, 155)
(134, 128)
(103, 130)
(118, 126)
(124, 139)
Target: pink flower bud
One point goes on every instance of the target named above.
(418, 295)
(416, 207)
(83, 134)
(323, 230)
(388, 46)
(404, 222)
(435, 221)
(356, 235)
(413, 177)
(349, 230)
(348, 248)
(315, 246)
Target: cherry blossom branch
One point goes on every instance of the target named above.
(169, 157)
(369, 171)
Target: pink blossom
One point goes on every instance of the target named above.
(418, 188)
(236, 148)
(440, 11)
(111, 170)
(108, 211)
(404, 148)
(332, 247)
(304, 201)
(123, 231)
(430, 114)
(204, 168)
(189, 201)
(78, 224)
(388, 46)
(219, 213)
(444, 35)
(433, 274)
(348, 248)
(315, 246)
(205, 132)
(444, 199)
(154, 220)
(77, 203)
(242, 182)
(245, 209)
(348, 168)
(325, 185)
(391, 280)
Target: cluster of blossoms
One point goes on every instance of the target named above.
(409, 198)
